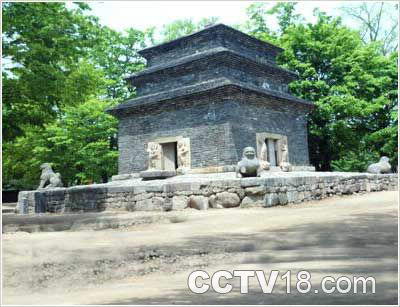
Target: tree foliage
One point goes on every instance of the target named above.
(261, 17)
(183, 27)
(285, 13)
(353, 86)
(116, 55)
(354, 89)
(60, 62)
(80, 145)
(43, 47)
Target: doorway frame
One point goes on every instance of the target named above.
(260, 139)
(173, 139)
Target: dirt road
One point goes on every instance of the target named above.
(350, 236)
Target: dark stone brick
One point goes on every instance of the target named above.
(218, 87)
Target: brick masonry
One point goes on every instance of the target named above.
(218, 132)
(218, 87)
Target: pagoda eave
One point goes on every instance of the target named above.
(222, 53)
(217, 87)
(217, 27)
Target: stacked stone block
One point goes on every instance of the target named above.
(203, 194)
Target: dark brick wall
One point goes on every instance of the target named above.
(243, 46)
(210, 137)
(206, 70)
(257, 117)
(202, 43)
(216, 98)
(218, 131)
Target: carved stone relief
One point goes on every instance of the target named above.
(272, 150)
(183, 147)
(263, 157)
(284, 164)
(155, 154)
(173, 146)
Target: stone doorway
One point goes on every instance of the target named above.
(170, 157)
(273, 143)
(272, 149)
(174, 153)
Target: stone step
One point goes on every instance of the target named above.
(7, 209)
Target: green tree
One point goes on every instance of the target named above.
(116, 55)
(183, 27)
(80, 145)
(353, 87)
(285, 13)
(43, 44)
(261, 17)
(56, 71)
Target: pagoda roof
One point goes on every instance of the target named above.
(202, 88)
(163, 47)
(213, 53)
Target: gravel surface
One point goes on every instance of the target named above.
(150, 262)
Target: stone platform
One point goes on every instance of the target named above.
(202, 191)
(156, 174)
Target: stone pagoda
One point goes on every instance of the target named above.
(206, 96)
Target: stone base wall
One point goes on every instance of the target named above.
(60, 200)
(164, 195)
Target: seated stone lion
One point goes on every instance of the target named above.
(48, 175)
(249, 166)
(382, 167)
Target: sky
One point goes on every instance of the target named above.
(120, 15)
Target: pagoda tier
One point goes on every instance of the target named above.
(218, 35)
(215, 87)
(207, 65)
(207, 60)
(217, 91)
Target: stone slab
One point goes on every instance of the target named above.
(157, 174)
(125, 176)
(303, 168)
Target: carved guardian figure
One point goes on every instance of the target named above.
(48, 175)
(183, 156)
(382, 167)
(249, 166)
(285, 165)
(264, 157)
(155, 153)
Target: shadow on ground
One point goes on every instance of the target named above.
(360, 245)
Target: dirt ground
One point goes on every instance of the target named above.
(150, 263)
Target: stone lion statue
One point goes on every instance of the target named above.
(382, 167)
(249, 166)
(48, 176)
